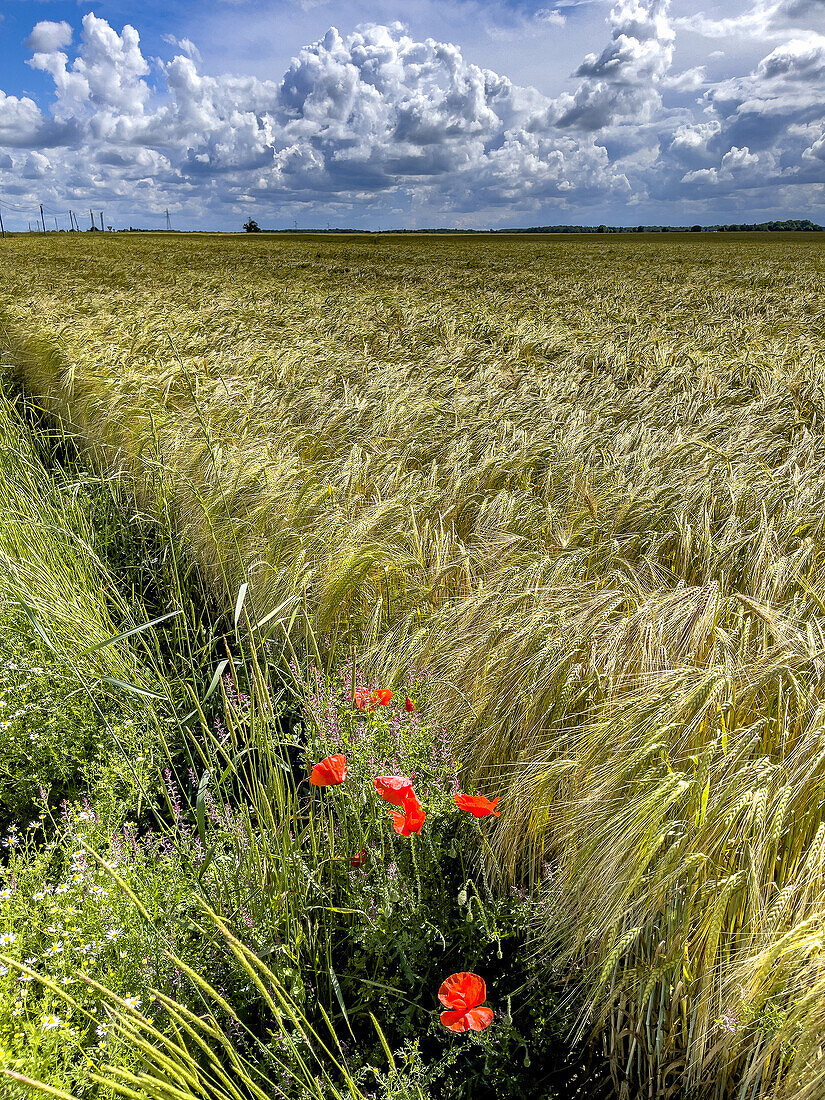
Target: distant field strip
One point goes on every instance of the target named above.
(583, 482)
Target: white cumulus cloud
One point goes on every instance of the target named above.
(622, 81)
(48, 36)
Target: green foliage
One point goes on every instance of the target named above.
(65, 920)
(55, 739)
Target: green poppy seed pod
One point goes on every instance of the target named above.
(526, 1062)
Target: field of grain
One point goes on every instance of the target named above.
(581, 482)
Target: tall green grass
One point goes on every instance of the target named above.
(582, 482)
(73, 690)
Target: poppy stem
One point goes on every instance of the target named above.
(413, 849)
(485, 845)
(329, 827)
(350, 794)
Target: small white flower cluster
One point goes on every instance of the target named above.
(14, 715)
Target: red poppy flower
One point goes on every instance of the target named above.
(477, 805)
(409, 705)
(361, 698)
(383, 696)
(411, 801)
(359, 860)
(395, 789)
(462, 995)
(411, 820)
(331, 771)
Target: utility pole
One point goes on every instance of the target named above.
(91, 215)
(55, 224)
(168, 222)
(42, 219)
(101, 221)
(2, 228)
(30, 227)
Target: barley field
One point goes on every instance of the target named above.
(578, 483)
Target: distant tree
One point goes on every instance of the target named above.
(696, 229)
(252, 226)
(602, 229)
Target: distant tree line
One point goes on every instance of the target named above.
(790, 225)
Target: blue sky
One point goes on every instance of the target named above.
(472, 113)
